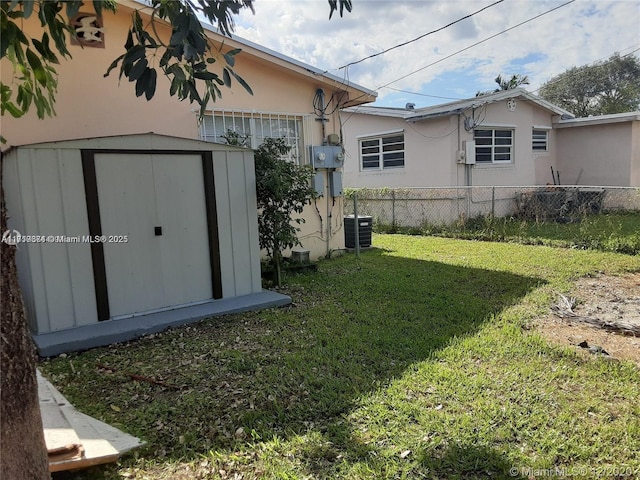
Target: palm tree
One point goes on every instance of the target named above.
(507, 84)
(514, 82)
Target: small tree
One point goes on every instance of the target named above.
(283, 189)
(602, 88)
(505, 83)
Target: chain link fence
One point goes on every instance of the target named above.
(421, 207)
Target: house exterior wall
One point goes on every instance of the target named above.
(425, 164)
(89, 105)
(431, 147)
(529, 167)
(599, 154)
(635, 155)
(45, 194)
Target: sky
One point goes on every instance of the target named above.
(444, 66)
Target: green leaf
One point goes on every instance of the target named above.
(193, 92)
(226, 77)
(151, 84)
(129, 43)
(134, 53)
(230, 59)
(138, 69)
(141, 83)
(205, 75)
(22, 37)
(242, 82)
(108, 5)
(175, 86)
(114, 64)
(44, 49)
(73, 8)
(12, 109)
(7, 38)
(13, 5)
(27, 8)
(36, 65)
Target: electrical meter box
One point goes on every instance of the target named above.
(326, 156)
(335, 185)
(317, 182)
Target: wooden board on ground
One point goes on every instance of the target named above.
(75, 440)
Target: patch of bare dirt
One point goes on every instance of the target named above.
(605, 314)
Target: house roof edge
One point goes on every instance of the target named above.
(329, 78)
(598, 119)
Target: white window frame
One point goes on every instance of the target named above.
(373, 146)
(257, 126)
(496, 146)
(540, 142)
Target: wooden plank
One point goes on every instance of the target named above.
(96, 442)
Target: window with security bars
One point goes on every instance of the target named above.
(252, 128)
(493, 145)
(382, 152)
(540, 140)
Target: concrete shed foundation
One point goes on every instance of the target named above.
(114, 331)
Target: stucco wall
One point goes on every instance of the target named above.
(596, 154)
(424, 163)
(89, 105)
(431, 146)
(635, 155)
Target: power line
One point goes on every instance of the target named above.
(423, 94)
(386, 85)
(601, 61)
(476, 44)
(419, 37)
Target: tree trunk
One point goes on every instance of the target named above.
(23, 453)
(277, 266)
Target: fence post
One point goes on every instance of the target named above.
(393, 210)
(356, 224)
(493, 201)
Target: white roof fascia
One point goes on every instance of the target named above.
(378, 111)
(309, 68)
(461, 105)
(599, 120)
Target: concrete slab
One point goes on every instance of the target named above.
(122, 330)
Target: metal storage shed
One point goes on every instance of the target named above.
(127, 235)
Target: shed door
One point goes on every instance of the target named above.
(158, 202)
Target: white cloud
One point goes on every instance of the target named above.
(582, 32)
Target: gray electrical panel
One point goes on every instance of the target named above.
(335, 184)
(326, 156)
(317, 183)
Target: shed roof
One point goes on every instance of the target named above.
(134, 141)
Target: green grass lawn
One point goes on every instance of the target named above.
(414, 361)
(611, 232)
